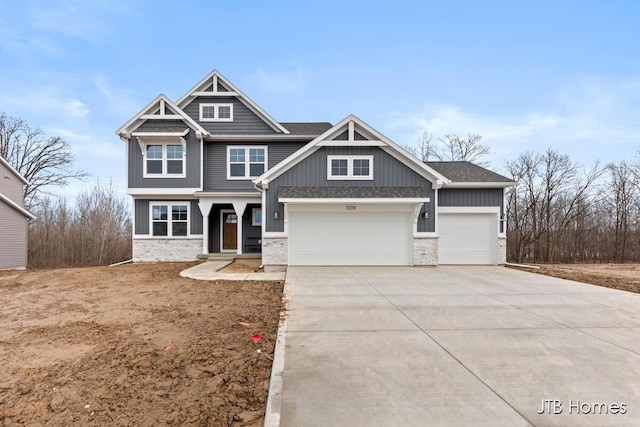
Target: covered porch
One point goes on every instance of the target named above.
(232, 223)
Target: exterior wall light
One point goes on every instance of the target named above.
(275, 215)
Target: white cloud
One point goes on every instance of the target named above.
(118, 100)
(51, 101)
(291, 80)
(589, 122)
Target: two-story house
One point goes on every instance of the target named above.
(14, 218)
(213, 172)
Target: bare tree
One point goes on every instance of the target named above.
(450, 148)
(43, 161)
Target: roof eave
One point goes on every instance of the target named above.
(478, 184)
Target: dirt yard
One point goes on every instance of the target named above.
(625, 277)
(134, 345)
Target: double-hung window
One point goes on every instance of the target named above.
(164, 160)
(350, 167)
(216, 112)
(246, 162)
(170, 219)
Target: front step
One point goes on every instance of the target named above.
(228, 257)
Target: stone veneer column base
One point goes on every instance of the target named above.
(275, 253)
(150, 250)
(502, 250)
(425, 251)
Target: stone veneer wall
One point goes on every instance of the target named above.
(425, 251)
(275, 251)
(146, 250)
(502, 250)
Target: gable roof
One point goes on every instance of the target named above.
(463, 173)
(214, 80)
(351, 192)
(16, 206)
(157, 110)
(13, 171)
(368, 136)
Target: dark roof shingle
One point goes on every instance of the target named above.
(466, 172)
(310, 128)
(350, 192)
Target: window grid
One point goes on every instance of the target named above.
(165, 225)
(246, 162)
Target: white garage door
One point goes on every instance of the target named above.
(350, 235)
(467, 238)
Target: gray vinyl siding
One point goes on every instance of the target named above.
(472, 197)
(13, 237)
(192, 165)
(244, 121)
(141, 215)
(312, 171)
(216, 163)
(10, 185)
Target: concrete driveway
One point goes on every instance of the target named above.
(454, 346)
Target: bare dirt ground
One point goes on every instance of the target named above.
(246, 265)
(625, 277)
(134, 345)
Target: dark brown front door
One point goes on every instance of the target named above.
(229, 231)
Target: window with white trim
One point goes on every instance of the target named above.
(256, 217)
(216, 112)
(164, 160)
(169, 219)
(350, 167)
(246, 162)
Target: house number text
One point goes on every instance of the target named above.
(350, 207)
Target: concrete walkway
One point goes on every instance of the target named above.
(451, 346)
(209, 271)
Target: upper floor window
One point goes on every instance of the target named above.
(350, 167)
(170, 219)
(216, 112)
(164, 160)
(246, 162)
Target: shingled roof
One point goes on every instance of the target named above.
(350, 192)
(307, 128)
(466, 172)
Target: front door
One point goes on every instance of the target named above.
(229, 231)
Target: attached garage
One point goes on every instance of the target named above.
(350, 234)
(467, 238)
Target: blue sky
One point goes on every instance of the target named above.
(525, 75)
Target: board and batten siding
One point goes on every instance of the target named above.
(141, 216)
(192, 166)
(244, 121)
(216, 163)
(312, 172)
(13, 237)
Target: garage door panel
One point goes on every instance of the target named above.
(350, 238)
(467, 238)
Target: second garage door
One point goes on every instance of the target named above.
(350, 235)
(467, 238)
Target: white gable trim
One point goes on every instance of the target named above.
(13, 171)
(213, 78)
(160, 103)
(349, 123)
(480, 185)
(17, 207)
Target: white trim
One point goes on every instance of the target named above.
(247, 161)
(215, 76)
(160, 116)
(16, 206)
(222, 212)
(390, 147)
(227, 194)
(356, 201)
(161, 134)
(216, 112)
(479, 184)
(258, 137)
(164, 143)
(217, 93)
(356, 143)
(253, 217)
(469, 209)
(274, 235)
(165, 192)
(169, 220)
(13, 171)
(349, 176)
(148, 237)
(126, 129)
(425, 235)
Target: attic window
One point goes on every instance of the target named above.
(216, 112)
(350, 167)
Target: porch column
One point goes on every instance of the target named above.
(239, 207)
(205, 209)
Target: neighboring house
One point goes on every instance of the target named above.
(215, 173)
(14, 218)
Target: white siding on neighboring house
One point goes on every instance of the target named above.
(13, 237)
